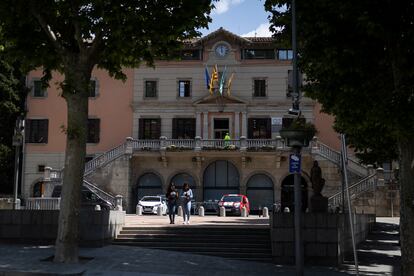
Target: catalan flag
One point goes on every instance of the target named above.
(214, 78)
(229, 84)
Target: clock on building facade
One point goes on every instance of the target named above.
(221, 50)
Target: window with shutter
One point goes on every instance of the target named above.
(37, 131)
(93, 131)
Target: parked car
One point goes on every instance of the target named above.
(233, 203)
(88, 199)
(211, 206)
(150, 204)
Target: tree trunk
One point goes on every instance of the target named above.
(75, 91)
(407, 205)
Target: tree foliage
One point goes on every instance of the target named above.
(359, 59)
(73, 37)
(12, 95)
(346, 50)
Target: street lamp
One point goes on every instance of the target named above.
(17, 143)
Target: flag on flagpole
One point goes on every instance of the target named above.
(207, 76)
(214, 78)
(229, 84)
(223, 78)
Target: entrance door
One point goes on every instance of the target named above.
(288, 196)
(221, 127)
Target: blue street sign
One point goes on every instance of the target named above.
(294, 163)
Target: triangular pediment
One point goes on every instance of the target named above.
(224, 33)
(225, 99)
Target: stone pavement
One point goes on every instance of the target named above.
(122, 260)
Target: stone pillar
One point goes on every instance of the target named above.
(198, 124)
(244, 124)
(243, 143)
(163, 144)
(129, 145)
(198, 143)
(236, 125)
(205, 125)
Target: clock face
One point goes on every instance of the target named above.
(222, 50)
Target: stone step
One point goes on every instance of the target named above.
(199, 247)
(223, 243)
(191, 239)
(194, 235)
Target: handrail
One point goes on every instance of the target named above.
(335, 156)
(101, 193)
(355, 189)
(104, 158)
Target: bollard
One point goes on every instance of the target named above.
(159, 211)
(265, 212)
(222, 212)
(201, 211)
(244, 212)
(139, 210)
(97, 207)
(180, 211)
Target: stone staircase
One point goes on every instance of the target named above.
(250, 244)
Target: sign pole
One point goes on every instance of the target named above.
(298, 216)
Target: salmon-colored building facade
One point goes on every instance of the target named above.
(171, 106)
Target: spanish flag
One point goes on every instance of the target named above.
(229, 84)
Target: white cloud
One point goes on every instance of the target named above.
(262, 30)
(223, 5)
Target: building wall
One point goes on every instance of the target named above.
(112, 105)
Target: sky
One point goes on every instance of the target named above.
(242, 17)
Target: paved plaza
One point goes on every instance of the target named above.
(378, 256)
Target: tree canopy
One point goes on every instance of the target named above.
(346, 50)
(358, 58)
(12, 96)
(73, 37)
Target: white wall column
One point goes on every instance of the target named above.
(205, 125)
(244, 124)
(237, 125)
(198, 124)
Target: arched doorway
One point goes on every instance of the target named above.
(260, 192)
(220, 177)
(287, 193)
(149, 184)
(38, 189)
(180, 179)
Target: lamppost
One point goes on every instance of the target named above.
(17, 143)
(296, 135)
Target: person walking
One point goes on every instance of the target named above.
(186, 196)
(172, 197)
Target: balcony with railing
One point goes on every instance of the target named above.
(199, 144)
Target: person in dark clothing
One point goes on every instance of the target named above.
(172, 197)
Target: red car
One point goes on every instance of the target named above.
(233, 203)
